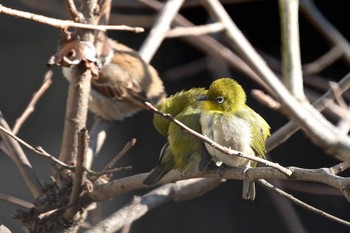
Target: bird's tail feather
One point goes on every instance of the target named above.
(154, 176)
(248, 192)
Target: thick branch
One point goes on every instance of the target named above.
(159, 30)
(179, 191)
(121, 186)
(291, 63)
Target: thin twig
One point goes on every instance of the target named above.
(323, 61)
(218, 146)
(38, 150)
(125, 149)
(19, 157)
(286, 131)
(266, 100)
(108, 171)
(195, 31)
(292, 220)
(74, 14)
(64, 24)
(31, 106)
(16, 201)
(303, 204)
(324, 26)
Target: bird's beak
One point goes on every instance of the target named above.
(203, 98)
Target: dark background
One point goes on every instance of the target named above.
(24, 50)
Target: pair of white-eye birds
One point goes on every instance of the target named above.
(125, 81)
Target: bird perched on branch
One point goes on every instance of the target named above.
(182, 151)
(227, 120)
(122, 83)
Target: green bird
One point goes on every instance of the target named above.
(227, 120)
(182, 151)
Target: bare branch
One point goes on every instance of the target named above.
(286, 131)
(303, 204)
(291, 62)
(212, 47)
(64, 24)
(20, 159)
(16, 201)
(195, 31)
(323, 61)
(179, 191)
(74, 14)
(159, 30)
(31, 106)
(322, 24)
(79, 176)
(124, 185)
(266, 100)
(125, 149)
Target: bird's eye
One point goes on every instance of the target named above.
(70, 53)
(220, 99)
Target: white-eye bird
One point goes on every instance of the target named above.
(227, 120)
(183, 151)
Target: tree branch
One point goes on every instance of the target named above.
(291, 63)
(179, 191)
(303, 204)
(121, 186)
(18, 156)
(64, 24)
(159, 30)
(31, 106)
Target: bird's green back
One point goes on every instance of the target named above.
(173, 105)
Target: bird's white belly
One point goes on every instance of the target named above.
(228, 131)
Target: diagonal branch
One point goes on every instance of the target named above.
(18, 156)
(303, 204)
(31, 106)
(179, 191)
(64, 24)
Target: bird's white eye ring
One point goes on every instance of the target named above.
(220, 99)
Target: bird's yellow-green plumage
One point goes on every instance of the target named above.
(227, 120)
(173, 105)
(182, 151)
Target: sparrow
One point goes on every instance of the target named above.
(124, 81)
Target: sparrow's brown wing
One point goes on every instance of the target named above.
(128, 78)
